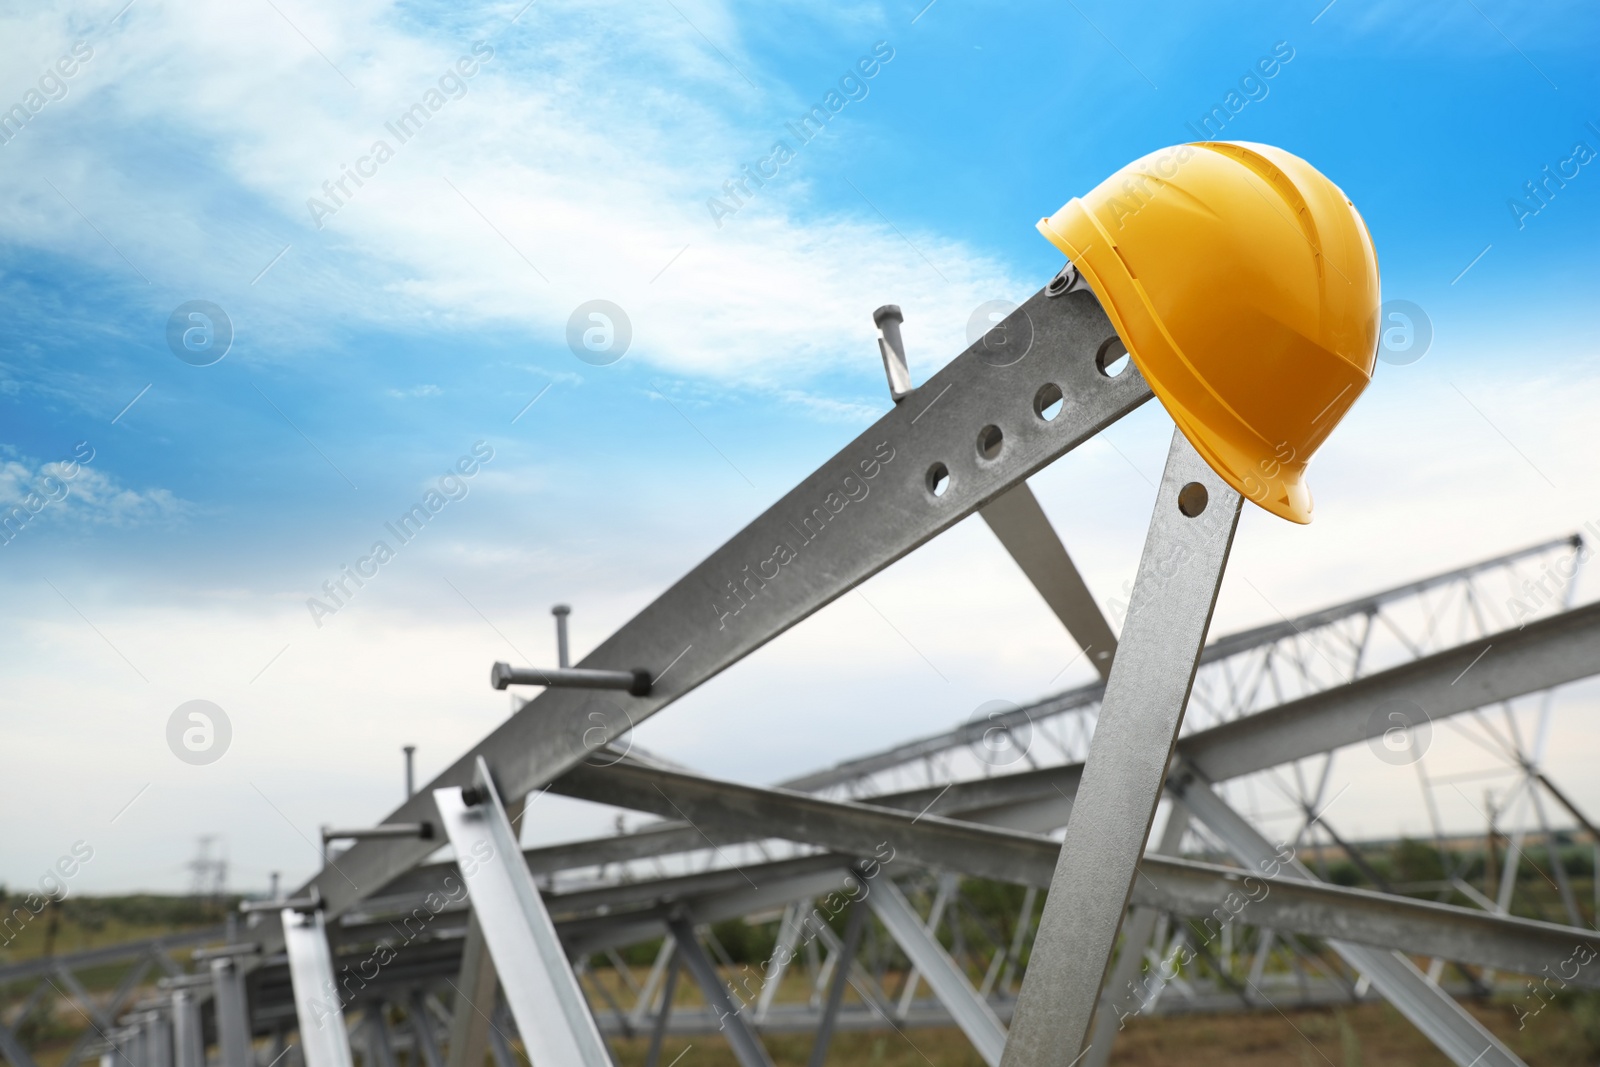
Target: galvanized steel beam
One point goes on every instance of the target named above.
(972, 1014)
(747, 1047)
(233, 1013)
(324, 1039)
(1174, 593)
(1183, 887)
(1456, 1033)
(915, 473)
(540, 988)
(1022, 527)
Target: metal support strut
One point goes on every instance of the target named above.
(1173, 596)
(747, 1047)
(324, 1041)
(542, 991)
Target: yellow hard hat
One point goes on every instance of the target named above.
(1245, 286)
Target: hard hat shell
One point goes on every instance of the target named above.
(1245, 286)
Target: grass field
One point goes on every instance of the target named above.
(1368, 1035)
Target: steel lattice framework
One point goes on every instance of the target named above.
(442, 961)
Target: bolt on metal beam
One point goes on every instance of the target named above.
(901, 454)
(893, 349)
(421, 830)
(635, 682)
(563, 656)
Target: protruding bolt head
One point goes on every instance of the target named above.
(1063, 282)
(889, 312)
(500, 675)
(561, 609)
(472, 796)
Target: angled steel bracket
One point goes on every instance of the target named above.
(1022, 527)
(539, 985)
(324, 1039)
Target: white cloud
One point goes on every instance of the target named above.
(63, 488)
(588, 164)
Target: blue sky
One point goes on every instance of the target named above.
(576, 164)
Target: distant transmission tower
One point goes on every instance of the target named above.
(208, 882)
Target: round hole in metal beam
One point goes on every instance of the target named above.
(1047, 402)
(1192, 499)
(990, 439)
(1112, 359)
(938, 479)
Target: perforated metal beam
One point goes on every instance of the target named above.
(860, 511)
